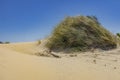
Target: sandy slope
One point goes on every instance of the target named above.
(14, 65)
(25, 47)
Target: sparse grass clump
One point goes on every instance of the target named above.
(38, 42)
(118, 38)
(4, 42)
(7, 42)
(118, 34)
(80, 33)
(1, 42)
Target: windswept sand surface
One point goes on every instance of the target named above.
(16, 64)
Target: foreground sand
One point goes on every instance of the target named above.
(16, 64)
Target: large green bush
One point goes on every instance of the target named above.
(118, 34)
(80, 33)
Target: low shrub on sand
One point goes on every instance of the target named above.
(38, 42)
(118, 34)
(7, 42)
(1, 42)
(80, 33)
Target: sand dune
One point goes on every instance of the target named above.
(16, 64)
(25, 47)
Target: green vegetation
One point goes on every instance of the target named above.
(4, 42)
(80, 33)
(118, 34)
(118, 38)
(1, 42)
(7, 42)
(38, 42)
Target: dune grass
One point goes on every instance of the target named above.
(81, 33)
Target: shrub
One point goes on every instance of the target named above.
(38, 42)
(7, 42)
(80, 33)
(118, 38)
(1, 42)
(118, 34)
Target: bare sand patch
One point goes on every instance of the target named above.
(15, 64)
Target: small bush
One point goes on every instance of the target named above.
(39, 42)
(81, 33)
(118, 34)
(1, 42)
(118, 38)
(7, 42)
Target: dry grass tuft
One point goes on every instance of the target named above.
(81, 33)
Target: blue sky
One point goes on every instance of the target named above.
(30, 20)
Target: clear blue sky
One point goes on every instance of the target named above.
(30, 20)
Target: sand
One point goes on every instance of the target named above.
(17, 64)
